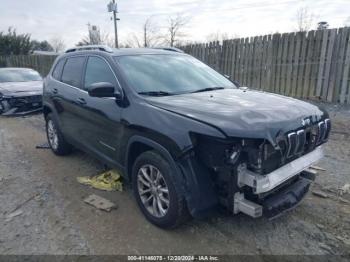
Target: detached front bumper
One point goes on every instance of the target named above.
(20, 105)
(286, 199)
(281, 190)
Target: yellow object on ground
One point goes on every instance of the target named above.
(108, 181)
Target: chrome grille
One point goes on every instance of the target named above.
(292, 143)
(328, 128)
(296, 141)
(321, 132)
(301, 134)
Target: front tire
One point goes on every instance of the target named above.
(156, 192)
(55, 138)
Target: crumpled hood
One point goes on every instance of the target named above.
(242, 113)
(21, 88)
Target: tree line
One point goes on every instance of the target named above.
(153, 32)
(12, 43)
(169, 33)
(172, 31)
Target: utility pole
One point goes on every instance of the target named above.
(112, 7)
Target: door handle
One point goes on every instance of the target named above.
(55, 91)
(81, 101)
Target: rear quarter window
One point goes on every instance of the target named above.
(72, 71)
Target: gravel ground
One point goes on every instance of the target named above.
(42, 211)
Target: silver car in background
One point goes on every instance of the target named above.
(21, 91)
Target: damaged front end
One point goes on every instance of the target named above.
(20, 105)
(254, 177)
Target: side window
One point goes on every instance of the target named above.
(97, 70)
(73, 70)
(58, 69)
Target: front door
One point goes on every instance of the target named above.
(99, 118)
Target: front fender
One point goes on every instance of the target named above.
(178, 178)
(190, 177)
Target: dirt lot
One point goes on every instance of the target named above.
(52, 218)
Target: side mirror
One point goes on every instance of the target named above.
(104, 89)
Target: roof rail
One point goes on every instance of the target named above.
(103, 48)
(174, 49)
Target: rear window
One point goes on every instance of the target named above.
(19, 75)
(73, 70)
(58, 69)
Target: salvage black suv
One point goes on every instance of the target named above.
(186, 137)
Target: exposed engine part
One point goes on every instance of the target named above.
(240, 204)
(264, 183)
(256, 169)
(234, 155)
(308, 174)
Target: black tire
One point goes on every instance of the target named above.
(177, 212)
(59, 147)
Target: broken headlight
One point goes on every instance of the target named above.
(263, 158)
(216, 152)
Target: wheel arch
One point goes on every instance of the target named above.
(138, 144)
(47, 109)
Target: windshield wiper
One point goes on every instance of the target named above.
(208, 89)
(156, 93)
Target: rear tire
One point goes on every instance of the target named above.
(55, 138)
(156, 192)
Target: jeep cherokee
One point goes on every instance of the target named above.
(186, 137)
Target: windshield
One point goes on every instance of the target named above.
(19, 75)
(170, 74)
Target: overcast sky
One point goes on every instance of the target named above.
(68, 19)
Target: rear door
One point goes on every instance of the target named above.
(67, 95)
(99, 118)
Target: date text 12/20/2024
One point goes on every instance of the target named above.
(173, 258)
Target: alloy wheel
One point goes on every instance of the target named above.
(52, 134)
(153, 190)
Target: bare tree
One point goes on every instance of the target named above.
(133, 41)
(175, 28)
(107, 39)
(151, 36)
(218, 36)
(57, 44)
(304, 19)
